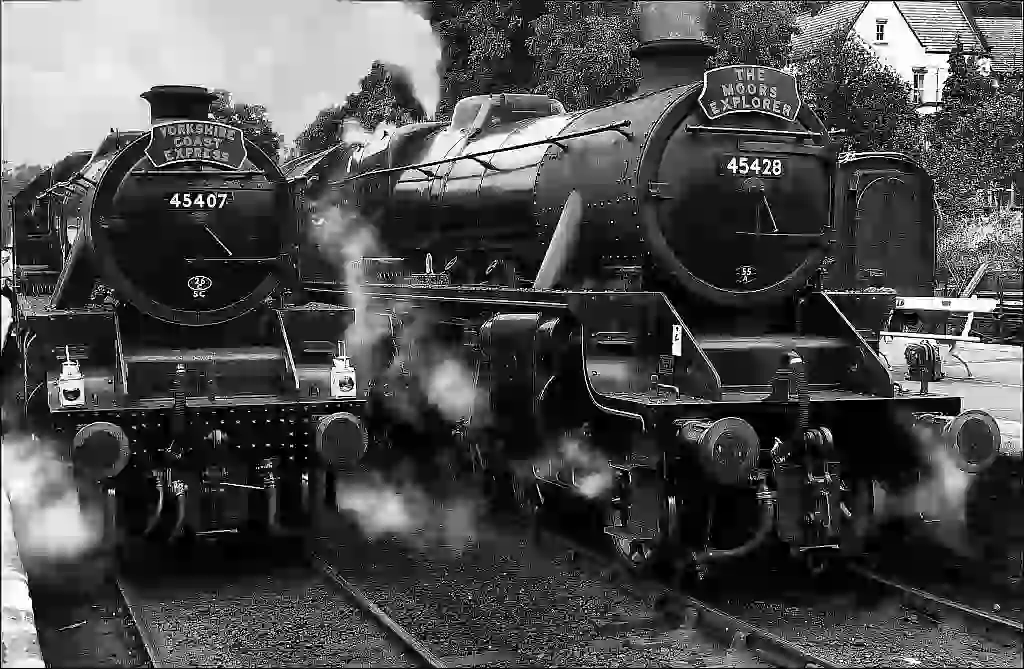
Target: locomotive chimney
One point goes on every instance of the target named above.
(673, 50)
(178, 103)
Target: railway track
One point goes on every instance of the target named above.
(937, 606)
(300, 614)
(139, 622)
(863, 631)
(692, 612)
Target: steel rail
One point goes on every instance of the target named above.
(931, 603)
(155, 657)
(739, 633)
(419, 648)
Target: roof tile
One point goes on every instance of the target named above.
(1006, 37)
(937, 25)
(817, 28)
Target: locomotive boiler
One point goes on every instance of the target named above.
(645, 278)
(158, 349)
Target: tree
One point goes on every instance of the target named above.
(973, 150)
(974, 139)
(965, 87)
(250, 119)
(851, 90)
(755, 33)
(974, 142)
(322, 132)
(485, 47)
(385, 95)
(582, 53)
(1007, 8)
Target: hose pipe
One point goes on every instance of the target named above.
(154, 518)
(765, 525)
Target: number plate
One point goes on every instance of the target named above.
(771, 167)
(199, 199)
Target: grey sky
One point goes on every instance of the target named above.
(72, 70)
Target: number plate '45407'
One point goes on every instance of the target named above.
(199, 200)
(771, 167)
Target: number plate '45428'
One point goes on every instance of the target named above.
(771, 167)
(199, 200)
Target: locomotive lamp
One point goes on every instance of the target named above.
(727, 447)
(70, 384)
(343, 377)
(972, 438)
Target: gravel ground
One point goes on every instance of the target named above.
(85, 629)
(971, 581)
(286, 616)
(853, 628)
(509, 603)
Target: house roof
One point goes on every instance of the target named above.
(937, 25)
(1004, 36)
(815, 29)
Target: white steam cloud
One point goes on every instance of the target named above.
(424, 375)
(51, 523)
(72, 70)
(939, 497)
(573, 457)
(437, 375)
(409, 514)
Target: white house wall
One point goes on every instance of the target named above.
(902, 51)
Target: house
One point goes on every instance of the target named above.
(913, 38)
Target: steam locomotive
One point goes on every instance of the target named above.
(158, 349)
(645, 278)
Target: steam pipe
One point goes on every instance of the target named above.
(179, 490)
(154, 518)
(766, 502)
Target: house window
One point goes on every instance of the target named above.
(918, 90)
(880, 30)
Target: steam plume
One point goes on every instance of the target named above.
(427, 382)
(939, 497)
(406, 512)
(51, 523)
(573, 454)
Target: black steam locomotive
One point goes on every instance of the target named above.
(158, 349)
(645, 278)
